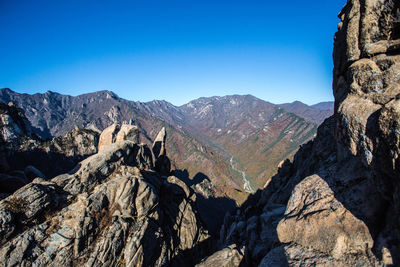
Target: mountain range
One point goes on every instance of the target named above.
(335, 203)
(235, 142)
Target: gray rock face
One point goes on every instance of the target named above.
(227, 257)
(24, 156)
(337, 203)
(111, 210)
(13, 124)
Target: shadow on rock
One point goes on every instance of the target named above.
(327, 207)
(48, 165)
(212, 209)
(183, 175)
(178, 227)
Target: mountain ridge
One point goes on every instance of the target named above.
(212, 132)
(324, 105)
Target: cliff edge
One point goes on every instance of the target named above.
(338, 202)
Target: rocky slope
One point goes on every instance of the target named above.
(112, 209)
(207, 140)
(337, 203)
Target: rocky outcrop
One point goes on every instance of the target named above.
(159, 144)
(108, 136)
(111, 210)
(162, 162)
(227, 257)
(14, 125)
(24, 156)
(128, 132)
(118, 133)
(77, 144)
(337, 203)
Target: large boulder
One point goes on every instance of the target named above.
(128, 132)
(108, 136)
(312, 220)
(118, 133)
(159, 144)
(228, 257)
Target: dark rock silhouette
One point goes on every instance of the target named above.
(212, 208)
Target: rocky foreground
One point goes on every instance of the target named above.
(113, 209)
(25, 156)
(338, 202)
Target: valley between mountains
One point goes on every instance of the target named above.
(97, 180)
(222, 146)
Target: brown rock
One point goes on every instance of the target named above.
(128, 132)
(108, 136)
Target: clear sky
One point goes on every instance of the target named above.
(279, 51)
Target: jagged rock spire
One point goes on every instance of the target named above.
(159, 144)
(162, 162)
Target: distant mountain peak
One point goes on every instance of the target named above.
(106, 93)
(328, 105)
(316, 113)
(50, 93)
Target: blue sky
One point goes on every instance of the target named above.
(279, 51)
